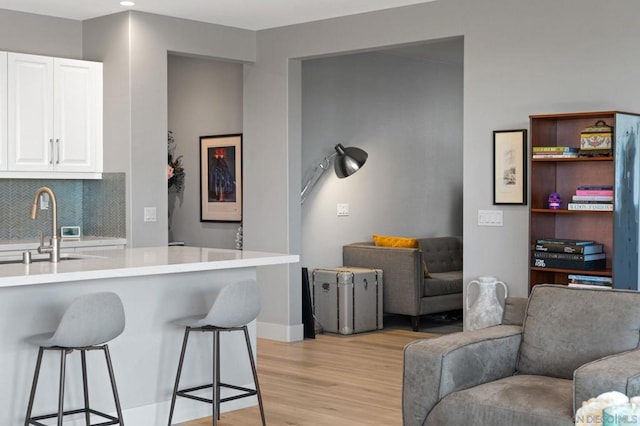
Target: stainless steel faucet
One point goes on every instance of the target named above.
(54, 243)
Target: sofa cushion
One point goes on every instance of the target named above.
(565, 328)
(441, 254)
(441, 283)
(515, 400)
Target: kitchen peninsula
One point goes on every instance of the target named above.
(156, 285)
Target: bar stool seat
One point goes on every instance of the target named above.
(234, 306)
(89, 322)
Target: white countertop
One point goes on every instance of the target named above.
(135, 262)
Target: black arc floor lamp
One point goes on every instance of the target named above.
(346, 161)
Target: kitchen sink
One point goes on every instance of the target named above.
(39, 258)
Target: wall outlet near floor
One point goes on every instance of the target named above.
(490, 218)
(343, 209)
(150, 214)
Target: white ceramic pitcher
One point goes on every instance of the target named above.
(486, 310)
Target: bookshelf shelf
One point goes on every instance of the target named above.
(579, 159)
(600, 272)
(565, 211)
(616, 230)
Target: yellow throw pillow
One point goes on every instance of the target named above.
(403, 242)
(390, 241)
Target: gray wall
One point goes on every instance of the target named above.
(136, 112)
(205, 98)
(406, 112)
(40, 35)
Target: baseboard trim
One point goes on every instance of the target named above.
(280, 332)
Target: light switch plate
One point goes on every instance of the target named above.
(490, 218)
(343, 209)
(150, 214)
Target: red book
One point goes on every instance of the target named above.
(594, 192)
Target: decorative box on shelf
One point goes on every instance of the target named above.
(595, 141)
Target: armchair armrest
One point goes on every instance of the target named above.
(434, 368)
(619, 372)
(403, 273)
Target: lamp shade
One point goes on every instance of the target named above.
(349, 160)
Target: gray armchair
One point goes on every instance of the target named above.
(406, 290)
(574, 344)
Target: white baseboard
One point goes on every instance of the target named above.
(280, 332)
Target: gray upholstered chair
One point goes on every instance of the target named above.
(88, 324)
(234, 306)
(407, 289)
(574, 344)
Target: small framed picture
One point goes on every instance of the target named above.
(510, 166)
(221, 178)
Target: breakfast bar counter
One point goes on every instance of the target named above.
(156, 285)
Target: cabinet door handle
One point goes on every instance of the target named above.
(57, 151)
(51, 151)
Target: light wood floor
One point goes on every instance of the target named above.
(332, 380)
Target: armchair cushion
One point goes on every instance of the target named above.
(443, 283)
(541, 401)
(455, 362)
(442, 254)
(620, 372)
(564, 330)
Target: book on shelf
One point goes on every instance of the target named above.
(590, 286)
(595, 187)
(592, 192)
(564, 248)
(568, 256)
(587, 265)
(541, 149)
(565, 241)
(590, 278)
(602, 207)
(555, 155)
(605, 198)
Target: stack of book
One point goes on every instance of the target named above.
(555, 152)
(590, 281)
(592, 197)
(569, 254)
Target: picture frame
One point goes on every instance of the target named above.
(510, 167)
(221, 178)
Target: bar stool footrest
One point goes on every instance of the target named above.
(111, 420)
(246, 392)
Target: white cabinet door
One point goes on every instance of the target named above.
(54, 115)
(30, 112)
(3, 111)
(77, 115)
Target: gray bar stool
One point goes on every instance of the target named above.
(87, 324)
(235, 306)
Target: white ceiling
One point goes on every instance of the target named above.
(248, 14)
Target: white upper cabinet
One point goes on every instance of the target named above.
(3, 111)
(54, 116)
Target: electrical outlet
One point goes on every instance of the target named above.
(150, 214)
(343, 209)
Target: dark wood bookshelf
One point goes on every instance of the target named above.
(564, 175)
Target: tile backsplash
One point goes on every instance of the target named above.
(98, 206)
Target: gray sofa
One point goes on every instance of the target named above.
(574, 344)
(406, 291)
